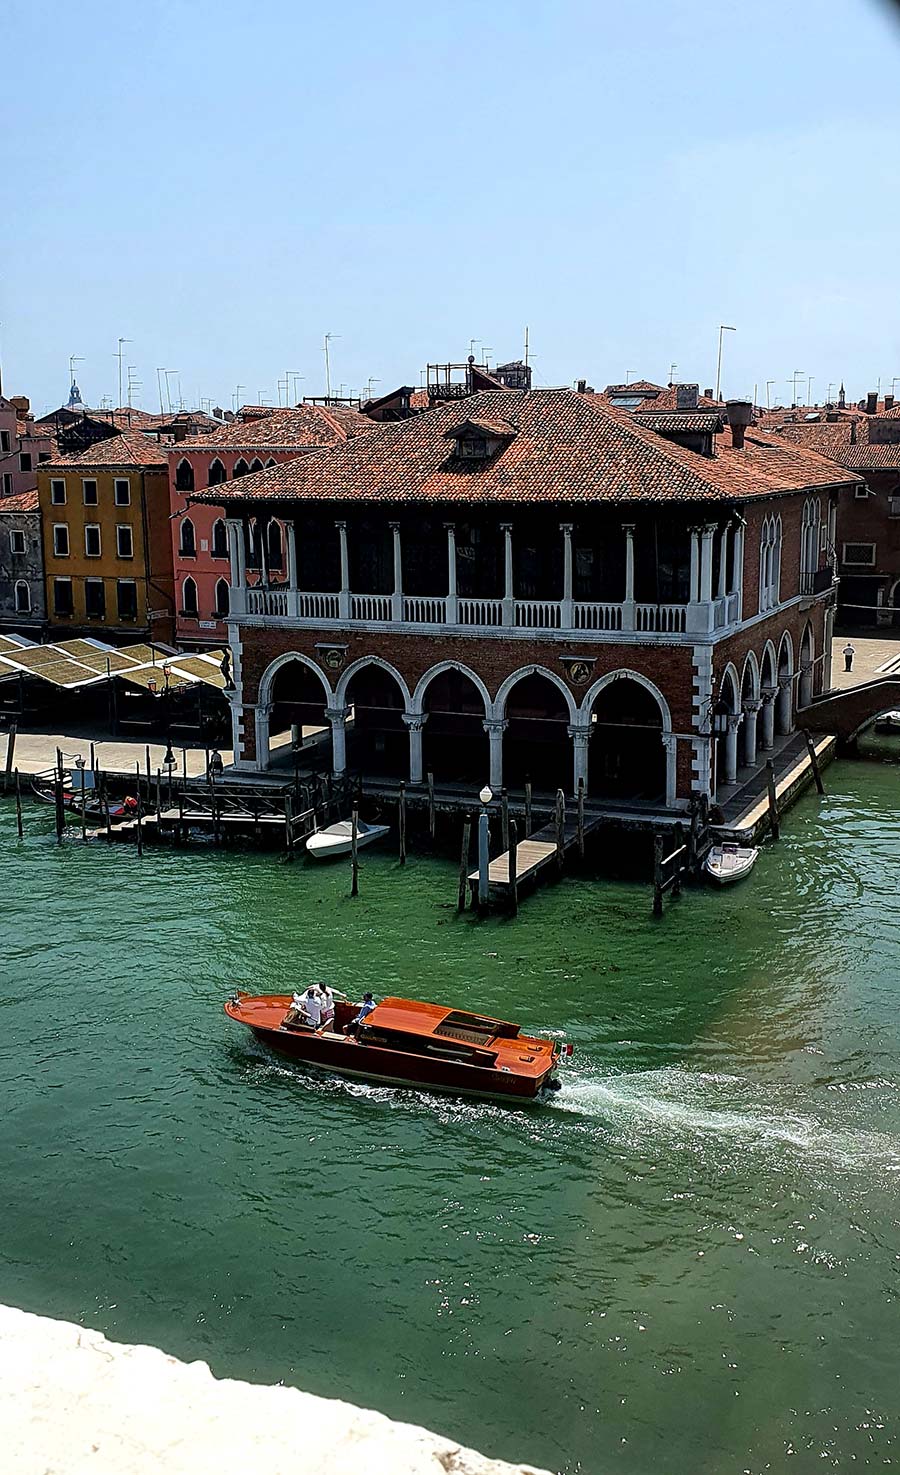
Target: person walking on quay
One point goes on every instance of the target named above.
(849, 653)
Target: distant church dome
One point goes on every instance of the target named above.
(75, 402)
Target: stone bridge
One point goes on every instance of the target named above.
(846, 713)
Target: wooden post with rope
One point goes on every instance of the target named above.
(581, 818)
(10, 752)
(354, 854)
(560, 830)
(514, 867)
(773, 799)
(289, 827)
(19, 827)
(527, 807)
(431, 814)
(140, 809)
(462, 890)
(504, 817)
(657, 875)
(402, 823)
(814, 760)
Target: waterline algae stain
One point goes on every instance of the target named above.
(687, 1261)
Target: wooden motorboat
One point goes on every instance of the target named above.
(407, 1043)
(338, 839)
(79, 795)
(726, 863)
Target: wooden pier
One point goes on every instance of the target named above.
(534, 853)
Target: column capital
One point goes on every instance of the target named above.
(341, 524)
(495, 726)
(394, 526)
(734, 721)
(753, 705)
(628, 527)
(415, 721)
(785, 683)
(669, 741)
(768, 695)
(580, 732)
(337, 715)
(566, 527)
(450, 527)
(506, 527)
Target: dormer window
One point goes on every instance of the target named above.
(472, 447)
(480, 439)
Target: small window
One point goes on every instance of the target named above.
(240, 467)
(862, 554)
(43, 455)
(7, 484)
(861, 493)
(126, 594)
(60, 540)
(4, 440)
(187, 543)
(95, 599)
(184, 477)
(222, 606)
(89, 493)
(823, 537)
(92, 540)
(23, 598)
(217, 473)
(17, 542)
(189, 597)
(57, 493)
(124, 541)
(219, 539)
(256, 464)
(62, 598)
(275, 551)
(122, 492)
(472, 447)
(25, 461)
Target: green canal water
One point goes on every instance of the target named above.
(689, 1261)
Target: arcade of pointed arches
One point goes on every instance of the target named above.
(618, 737)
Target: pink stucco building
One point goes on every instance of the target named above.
(23, 445)
(259, 437)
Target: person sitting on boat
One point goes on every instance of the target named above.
(365, 1009)
(326, 1000)
(311, 1008)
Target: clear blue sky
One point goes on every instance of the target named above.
(224, 183)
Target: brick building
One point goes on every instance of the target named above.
(534, 584)
(107, 541)
(260, 437)
(22, 604)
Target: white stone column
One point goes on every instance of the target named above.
(581, 736)
(509, 606)
(731, 748)
(723, 562)
(397, 596)
(238, 560)
(768, 694)
(806, 685)
(337, 716)
(344, 596)
(415, 721)
(670, 744)
(695, 565)
(706, 549)
(495, 727)
(567, 619)
(263, 716)
(737, 568)
(290, 536)
(452, 613)
(751, 711)
(785, 705)
(628, 603)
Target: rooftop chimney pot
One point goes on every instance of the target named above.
(889, 402)
(872, 402)
(740, 415)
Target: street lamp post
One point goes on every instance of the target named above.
(723, 328)
(485, 796)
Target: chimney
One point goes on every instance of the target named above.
(889, 402)
(853, 432)
(708, 394)
(581, 386)
(740, 415)
(686, 396)
(872, 402)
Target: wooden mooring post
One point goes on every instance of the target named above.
(139, 813)
(773, 799)
(581, 819)
(657, 875)
(58, 797)
(149, 777)
(514, 867)
(560, 829)
(462, 890)
(504, 817)
(527, 807)
(94, 762)
(289, 827)
(401, 823)
(10, 752)
(19, 827)
(668, 869)
(354, 854)
(106, 811)
(431, 814)
(814, 760)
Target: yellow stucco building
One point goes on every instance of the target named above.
(107, 541)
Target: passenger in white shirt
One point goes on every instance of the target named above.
(312, 1007)
(326, 1000)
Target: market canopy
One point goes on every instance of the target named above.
(72, 664)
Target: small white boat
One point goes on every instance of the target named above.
(727, 863)
(338, 839)
(888, 722)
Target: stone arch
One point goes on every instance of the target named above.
(267, 680)
(219, 545)
(187, 539)
(454, 705)
(750, 705)
(303, 710)
(217, 473)
(731, 682)
(256, 464)
(768, 666)
(378, 697)
(416, 704)
(189, 604)
(894, 602)
(806, 658)
(223, 598)
(22, 597)
(500, 700)
(240, 468)
(785, 707)
(750, 687)
(632, 751)
(184, 476)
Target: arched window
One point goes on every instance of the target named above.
(275, 554)
(256, 464)
(776, 562)
(189, 597)
(240, 468)
(770, 564)
(184, 477)
(219, 539)
(217, 473)
(271, 461)
(809, 544)
(222, 605)
(187, 546)
(23, 598)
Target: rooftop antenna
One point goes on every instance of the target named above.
(279, 385)
(167, 372)
(628, 374)
(828, 395)
(723, 328)
(526, 345)
(472, 342)
(809, 384)
(74, 358)
(372, 379)
(159, 374)
(328, 338)
(672, 368)
(485, 356)
(236, 397)
(797, 374)
(118, 355)
(769, 383)
(133, 383)
(297, 378)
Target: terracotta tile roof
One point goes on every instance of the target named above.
(638, 386)
(866, 457)
(127, 448)
(891, 414)
(301, 425)
(20, 502)
(565, 449)
(684, 420)
(667, 400)
(828, 438)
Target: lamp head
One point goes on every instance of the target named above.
(486, 795)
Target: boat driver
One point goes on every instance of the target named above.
(326, 1001)
(365, 1009)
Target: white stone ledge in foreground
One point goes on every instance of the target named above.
(72, 1403)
